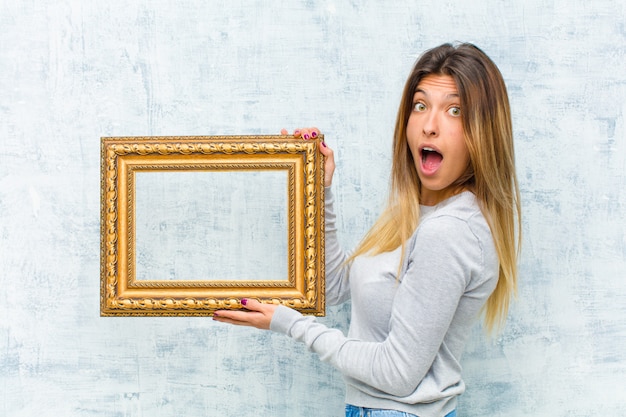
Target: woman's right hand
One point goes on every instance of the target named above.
(312, 133)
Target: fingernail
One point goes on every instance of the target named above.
(324, 144)
(283, 131)
(296, 132)
(306, 136)
(244, 301)
(313, 134)
(215, 315)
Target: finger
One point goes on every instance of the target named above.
(252, 304)
(284, 132)
(306, 134)
(326, 151)
(297, 133)
(329, 165)
(257, 314)
(315, 132)
(239, 317)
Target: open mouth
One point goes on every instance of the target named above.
(431, 159)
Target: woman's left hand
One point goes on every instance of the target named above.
(312, 133)
(258, 315)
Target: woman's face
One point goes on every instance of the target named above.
(435, 137)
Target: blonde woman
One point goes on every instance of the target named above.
(443, 251)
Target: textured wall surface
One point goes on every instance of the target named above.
(73, 71)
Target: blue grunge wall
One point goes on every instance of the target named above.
(73, 71)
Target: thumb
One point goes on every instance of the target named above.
(329, 165)
(252, 304)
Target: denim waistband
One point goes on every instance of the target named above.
(353, 411)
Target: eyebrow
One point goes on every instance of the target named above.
(448, 96)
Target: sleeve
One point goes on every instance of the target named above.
(422, 311)
(337, 287)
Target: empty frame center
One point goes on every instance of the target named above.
(196, 225)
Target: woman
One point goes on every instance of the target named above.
(443, 251)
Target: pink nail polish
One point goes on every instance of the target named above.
(313, 134)
(324, 144)
(244, 301)
(306, 136)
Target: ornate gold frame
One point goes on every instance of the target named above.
(121, 157)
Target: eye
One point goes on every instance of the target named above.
(454, 111)
(419, 107)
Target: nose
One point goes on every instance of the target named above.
(431, 125)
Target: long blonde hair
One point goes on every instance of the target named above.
(491, 175)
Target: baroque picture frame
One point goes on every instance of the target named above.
(123, 158)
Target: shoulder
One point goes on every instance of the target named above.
(454, 240)
(457, 214)
(456, 226)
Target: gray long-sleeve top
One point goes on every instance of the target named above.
(407, 333)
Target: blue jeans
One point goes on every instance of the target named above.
(352, 411)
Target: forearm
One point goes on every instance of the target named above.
(337, 289)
